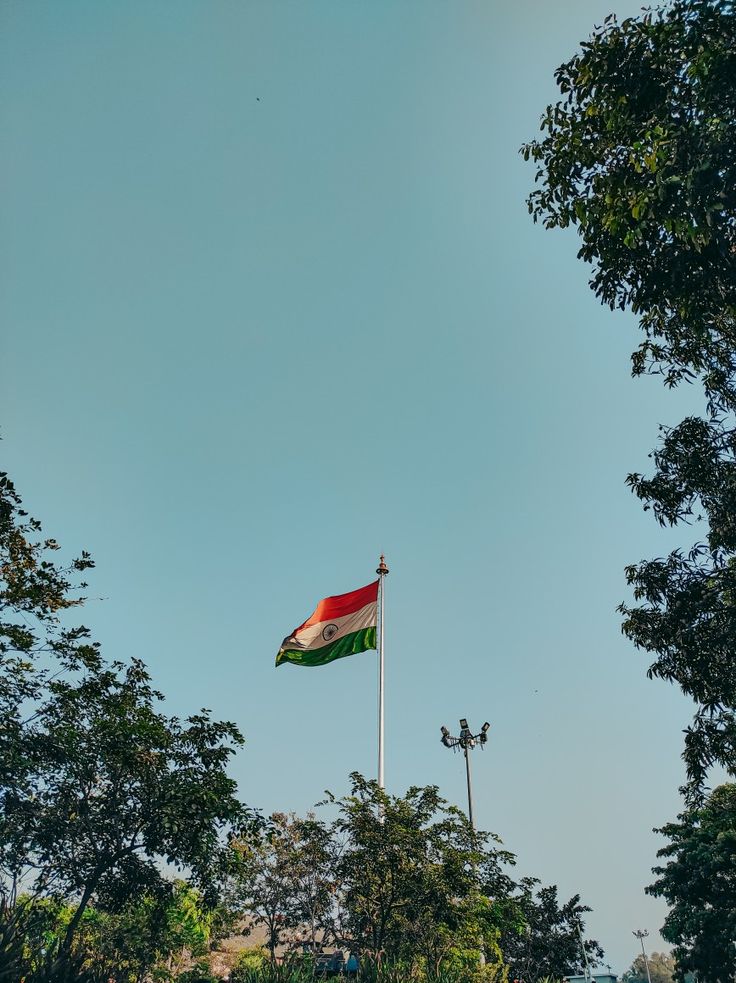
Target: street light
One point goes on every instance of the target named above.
(641, 934)
(467, 741)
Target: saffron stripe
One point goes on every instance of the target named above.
(341, 604)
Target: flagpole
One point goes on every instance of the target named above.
(381, 571)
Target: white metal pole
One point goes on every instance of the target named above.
(381, 571)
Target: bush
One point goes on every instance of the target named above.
(249, 961)
(199, 974)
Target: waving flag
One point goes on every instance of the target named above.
(341, 625)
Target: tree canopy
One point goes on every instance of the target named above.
(405, 880)
(100, 787)
(698, 881)
(549, 945)
(639, 156)
(416, 880)
(119, 787)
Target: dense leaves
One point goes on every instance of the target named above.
(549, 946)
(118, 787)
(156, 935)
(415, 880)
(404, 881)
(640, 156)
(699, 884)
(35, 590)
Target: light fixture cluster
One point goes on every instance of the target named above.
(467, 738)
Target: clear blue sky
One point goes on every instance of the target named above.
(272, 303)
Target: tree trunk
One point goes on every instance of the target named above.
(272, 942)
(76, 918)
(89, 889)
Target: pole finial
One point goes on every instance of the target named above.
(382, 569)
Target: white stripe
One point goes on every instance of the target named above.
(316, 636)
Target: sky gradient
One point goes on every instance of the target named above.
(272, 304)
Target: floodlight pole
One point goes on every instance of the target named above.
(641, 934)
(467, 741)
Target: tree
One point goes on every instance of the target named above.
(119, 787)
(404, 880)
(398, 878)
(98, 785)
(152, 933)
(699, 884)
(638, 155)
(29, 945)
(269, 876)
(312, 860)
(157, 934)
(549, 945)
(152, 936)
(413, 878)
(661, 969)
(34, 591)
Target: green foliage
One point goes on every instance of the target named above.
(384, 971)
(98, 786)
(101, 790)
(35, 590)
(638, 156)
(198, 974)
(414, 879)
(289, 971)
(406, 884)
(29, 949)
(699, 884)
(250, 962)
(157, 935)
(13, 945)
(115, 786)
(549, 944)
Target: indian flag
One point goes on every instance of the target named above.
(341, 625)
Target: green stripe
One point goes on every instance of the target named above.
(356, 641)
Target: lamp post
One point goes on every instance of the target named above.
(467, 741)
(641, 934)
